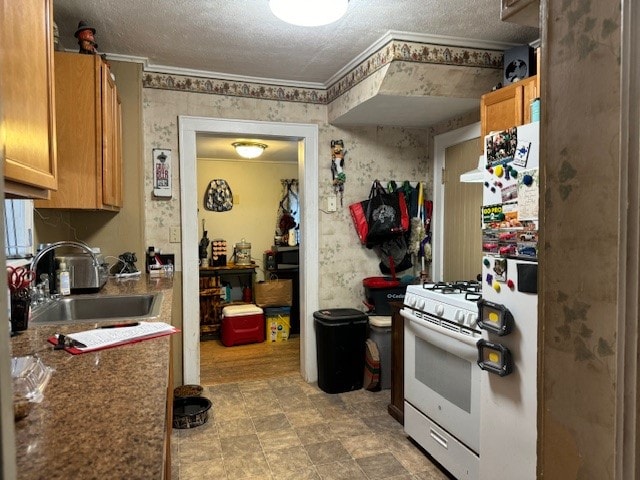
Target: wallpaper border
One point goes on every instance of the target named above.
(391, 52)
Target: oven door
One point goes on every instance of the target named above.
(441, 377)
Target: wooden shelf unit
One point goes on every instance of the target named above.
(211, 303)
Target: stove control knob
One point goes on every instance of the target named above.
(472, 319)
(439, 310)
(459, 316)
(410, 300)
(420, 304)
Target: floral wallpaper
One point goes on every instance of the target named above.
(386, 153)
(580, 254)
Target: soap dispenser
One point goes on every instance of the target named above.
(64, 279)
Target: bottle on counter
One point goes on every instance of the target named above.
(64, 279)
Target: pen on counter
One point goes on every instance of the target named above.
(121, 325)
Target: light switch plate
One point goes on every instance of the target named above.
(332, 203)
(174, 234)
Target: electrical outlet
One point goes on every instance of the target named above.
(174, 234)
(332, 203)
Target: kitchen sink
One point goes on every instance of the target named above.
(97, 308)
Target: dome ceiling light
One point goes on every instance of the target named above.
(309, 13)
(249, 149)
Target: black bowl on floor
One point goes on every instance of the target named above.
(189, 412)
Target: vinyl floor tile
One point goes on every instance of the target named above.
(327, 452)
(288, 461)
(286, 429)
(267, 423)
(251, 464)
(282, 439)
(240, 446)
(381, 466)
(235, 427)
(346, 470)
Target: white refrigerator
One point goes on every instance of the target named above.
(508, 312)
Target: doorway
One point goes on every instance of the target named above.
(441, 144)
(461, 253)
(260, 188)
(306, 136)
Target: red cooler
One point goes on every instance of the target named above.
(242, 324)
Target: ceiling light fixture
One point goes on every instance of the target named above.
(309, 13)
(249, 149)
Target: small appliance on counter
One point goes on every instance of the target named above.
(286, 257)
(84, 275)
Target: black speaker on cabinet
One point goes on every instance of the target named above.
(519, 63)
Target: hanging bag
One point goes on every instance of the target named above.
(218, 196)
(382, 216)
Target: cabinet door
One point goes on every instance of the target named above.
(88, 135)
(529, 92)
(78, 127)
(27, 97)
(501, 109)
(111, 142)
(507, 107)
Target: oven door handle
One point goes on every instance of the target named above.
(468, 340)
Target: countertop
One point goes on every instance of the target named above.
(103, 413)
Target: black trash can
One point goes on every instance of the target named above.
(341, 334)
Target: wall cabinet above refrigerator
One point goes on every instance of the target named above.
(508, 106)
(89, 145)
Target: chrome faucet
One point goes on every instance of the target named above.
(63, 243)
(40, 292)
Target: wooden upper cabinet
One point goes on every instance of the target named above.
(28, 104)
(88, 122)
(111, 143)
(508, 106)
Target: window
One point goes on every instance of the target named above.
(18, 228)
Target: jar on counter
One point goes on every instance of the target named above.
(243, 253)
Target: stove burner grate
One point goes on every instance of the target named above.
(458, 286)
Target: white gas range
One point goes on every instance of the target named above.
(441, 376)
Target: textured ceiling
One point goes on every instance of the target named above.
(242, 37)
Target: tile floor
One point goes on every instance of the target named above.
(285, 428)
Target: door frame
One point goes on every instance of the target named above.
(307, 137)
(440, 144)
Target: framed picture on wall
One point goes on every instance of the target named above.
(162, 172)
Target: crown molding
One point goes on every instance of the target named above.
(187, 72)
(400, 36)
(390, 36)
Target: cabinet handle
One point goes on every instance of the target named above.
(438, 438)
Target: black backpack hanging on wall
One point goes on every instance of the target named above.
(381, 217)
(218, 196)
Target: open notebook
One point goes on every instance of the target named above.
(109, 336)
